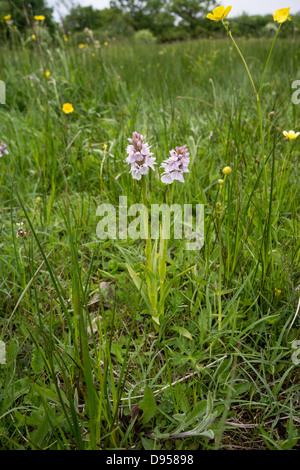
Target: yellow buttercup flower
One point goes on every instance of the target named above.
(106, 43)
(81, 46)
(291, 135)
(282, 15)
(7, 17)
(65, 38)
(277, 292)
(33, 36)
(227, 170)
(219, 13)
(67, 108)
(47, 74)
(39, 17)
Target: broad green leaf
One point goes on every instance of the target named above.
(169, 285)
(162, 259)
(156, 320)
(148, 405)
(183, 332)
(149, 444)
(138, 283)
(37, 363)
(152, 288)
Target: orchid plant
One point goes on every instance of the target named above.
(152, 281)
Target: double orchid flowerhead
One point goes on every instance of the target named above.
(140, 158)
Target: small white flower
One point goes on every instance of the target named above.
(292, 135)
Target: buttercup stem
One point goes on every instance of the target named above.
(220, 272)
(267, 64)
(282, 170)
(242, 57)
(257, 95)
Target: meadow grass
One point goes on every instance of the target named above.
(85, 367)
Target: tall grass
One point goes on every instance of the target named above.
(80, 345)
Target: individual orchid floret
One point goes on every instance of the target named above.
(3, 149)
(176, 165)
(139, 156)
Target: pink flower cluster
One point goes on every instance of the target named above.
(176, 165)
(139, 156)
(3, 149)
